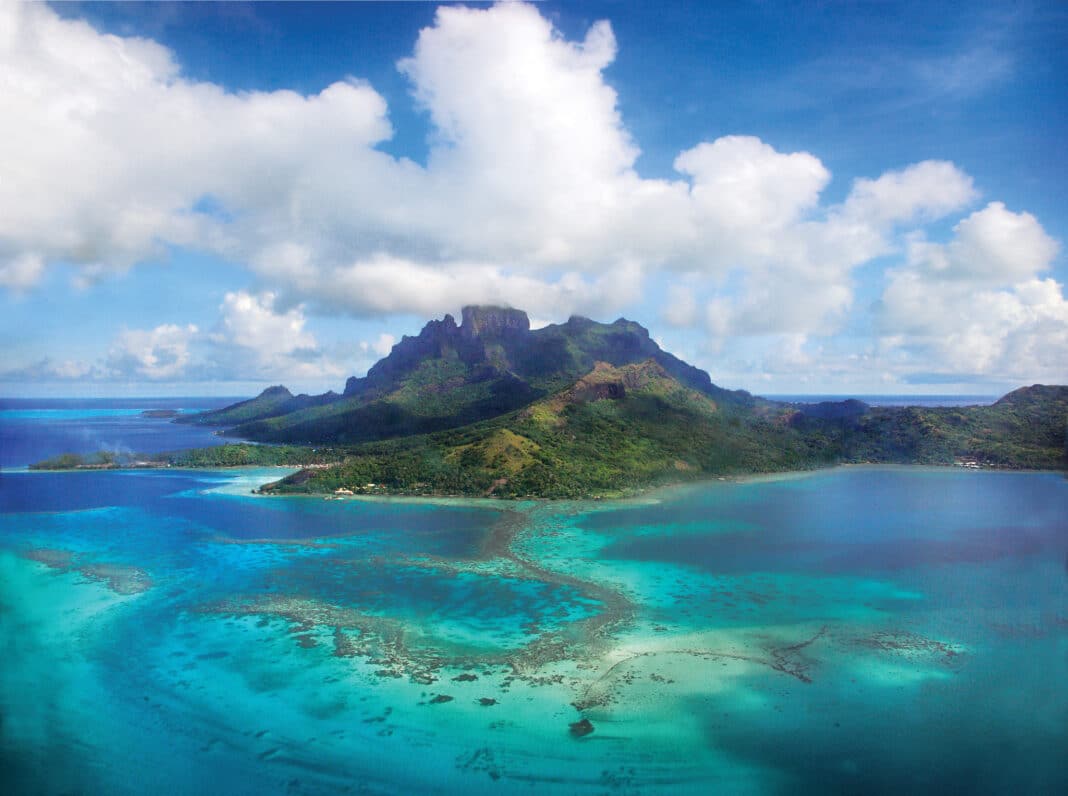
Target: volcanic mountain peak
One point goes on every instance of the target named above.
(491, 321)
(450, 375)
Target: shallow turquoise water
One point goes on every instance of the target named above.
(862, 630)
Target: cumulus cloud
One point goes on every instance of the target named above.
(741, 183)
(251, 321)
(930, 189)
(115, 155)
(529, 192)
(156, 354)
(108, 151)
(978, 304)
(680, 308)
(383, 284)
(51, 370)
(381, 346)
(529, 196)
(259, 341)
(795, 269)
(21, 271)
(992, 245)
(251, 341)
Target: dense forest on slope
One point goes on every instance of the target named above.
(625, 429)
(491, 407)
(450, 376)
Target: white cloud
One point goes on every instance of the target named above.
(107, 149)
(680, 309)
(21, 271)
(930, 189)
(529, 146)
(530, 175)
(381, 346)
(529, 197)
(251, 342)
(741, 183)
(250, 321)
(384, 284)
(795, 261)
(155, 354)
(254, 340)
(113, 153)
(977, 304)
(790, 355)
(49, 370)
(992, 245)
(72, 369)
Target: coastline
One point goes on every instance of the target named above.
(653, 493)
(639, 495)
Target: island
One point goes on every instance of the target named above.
(164, 414)
(489, 407)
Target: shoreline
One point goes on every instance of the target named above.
(649, 495)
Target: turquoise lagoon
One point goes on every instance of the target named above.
(859, 630)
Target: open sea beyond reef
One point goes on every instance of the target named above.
(858, 630)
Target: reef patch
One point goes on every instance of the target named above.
(119, 578)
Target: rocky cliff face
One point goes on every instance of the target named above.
(490, 322)
(495, 342)
(451, 374)
(443, 339)
(436, 340)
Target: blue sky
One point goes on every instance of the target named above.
(843, 198)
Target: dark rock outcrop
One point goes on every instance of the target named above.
(437, 340)
(605, 390)
(489, 322)
(581, 728)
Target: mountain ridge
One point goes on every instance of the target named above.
(450, 375)
(578, 409)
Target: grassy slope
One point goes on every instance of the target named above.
(583, 441)
(578, 443)
(443, 380)
(621, 429)
(439, 393)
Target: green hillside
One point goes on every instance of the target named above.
(491, 407)
(613, 431)
(449, 376)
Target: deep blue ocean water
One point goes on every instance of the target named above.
(858, 630)
(32, 429)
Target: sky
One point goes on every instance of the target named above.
(831, 198)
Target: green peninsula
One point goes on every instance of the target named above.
(490, 407)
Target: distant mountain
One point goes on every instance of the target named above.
(449, 376)
(272, 402)
(491, 407)
(613, 430)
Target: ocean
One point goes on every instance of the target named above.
(855, 630)
(32, 429)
